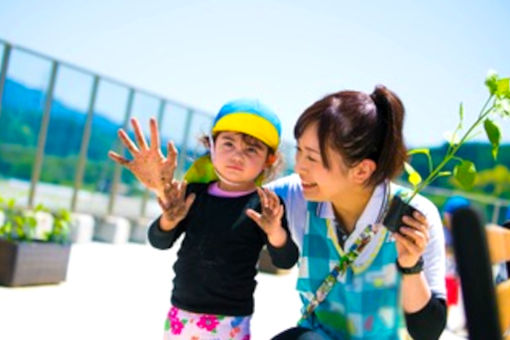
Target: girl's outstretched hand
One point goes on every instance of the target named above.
(175, 204)
(269, 220)
(149, 165)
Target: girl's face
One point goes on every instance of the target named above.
(239, 159)
(318, 182)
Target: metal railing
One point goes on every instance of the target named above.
(91, 111)
(82, 158)
(497, 204)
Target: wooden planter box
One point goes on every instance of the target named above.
(32, 263)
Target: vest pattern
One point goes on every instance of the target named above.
(364, 303)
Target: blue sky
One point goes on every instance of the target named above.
(287, 53)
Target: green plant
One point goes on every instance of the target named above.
(464, 171)
(495, 181)
(22, 225)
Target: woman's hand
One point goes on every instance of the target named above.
(149, 165)
(413, 240)
(175, 204)
(269, 220)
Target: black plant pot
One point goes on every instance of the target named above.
(398, 208)
(32, 263)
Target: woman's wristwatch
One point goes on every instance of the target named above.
(417, 268)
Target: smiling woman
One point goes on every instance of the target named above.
(352, 271)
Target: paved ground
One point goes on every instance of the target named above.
(122, 292)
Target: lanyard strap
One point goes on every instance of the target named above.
(330, 280)
(346, 260)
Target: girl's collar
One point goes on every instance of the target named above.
(215, 190)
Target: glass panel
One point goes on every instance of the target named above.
(128, 201)
(22, 106)
(65, 131)
(200, 126)
(173, 127)
(2, 49)
(109, 113)
(288, 152)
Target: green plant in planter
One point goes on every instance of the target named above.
(497, 103)
(34, 247)
(21, 225)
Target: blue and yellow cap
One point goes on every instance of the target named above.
(251, 117)
(248, 116)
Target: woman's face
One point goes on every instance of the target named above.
(318, 182)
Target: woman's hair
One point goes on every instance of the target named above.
(360, 126)
(270, 172)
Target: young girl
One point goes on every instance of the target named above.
(212, 296)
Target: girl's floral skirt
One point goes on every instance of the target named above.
(181, 324)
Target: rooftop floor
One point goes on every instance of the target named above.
(123, 292)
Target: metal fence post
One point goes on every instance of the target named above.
(3, 71)
(146, 193)
(41, 142)
(80, 168)
(118, 168)
(184, 144)
(495, 212)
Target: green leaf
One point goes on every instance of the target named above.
(414, 177)
(502, 107)
(444, 173)
(32, 222)
(65, 215)
(491, 81)
(416, 151)
(461, 115)
(465, 173)
(503, 86)
(494, 134)
(424, 151)
(18, 220)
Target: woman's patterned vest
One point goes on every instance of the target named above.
(365, 301)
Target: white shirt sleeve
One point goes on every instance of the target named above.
(289, 189)
(434, 255)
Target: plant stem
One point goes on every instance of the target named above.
(485, 105)
(453, 150)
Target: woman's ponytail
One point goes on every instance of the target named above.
(392, 153)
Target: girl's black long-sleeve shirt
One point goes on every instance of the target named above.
(216, 264)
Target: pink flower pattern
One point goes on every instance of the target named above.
(208, 322)
(182, 324)
(176, 325)
(172, 313)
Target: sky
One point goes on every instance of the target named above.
(287, 53)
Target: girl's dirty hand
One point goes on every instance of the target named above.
(148, 165)
(175, 204)
(269, 219)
